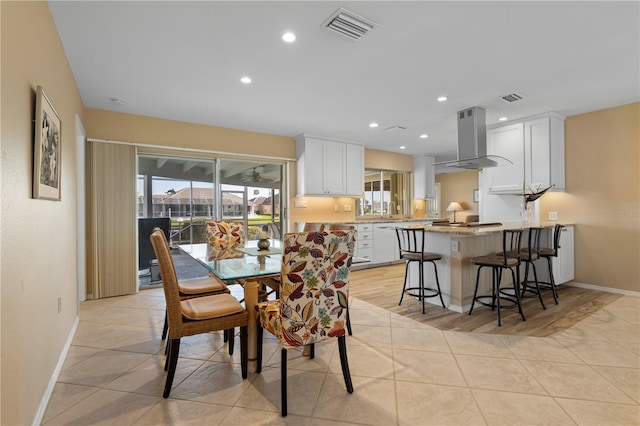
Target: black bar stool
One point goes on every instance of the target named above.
(529, 255)
(509, 259)
(548, 253)
(411, 245)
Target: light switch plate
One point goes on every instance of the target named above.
(553, 215)
(454, 245)
(336, 208)
(347, 207)
(300, 203)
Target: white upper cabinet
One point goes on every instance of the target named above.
(424, 177)
(544, 153)
(327, 167)
(536, 149)
(507, 142)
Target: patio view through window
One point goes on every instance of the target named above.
(188, 192)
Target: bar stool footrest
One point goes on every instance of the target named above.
(415, 292)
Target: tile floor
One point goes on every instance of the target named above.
(404, 373)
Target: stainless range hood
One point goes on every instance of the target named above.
(472, 142)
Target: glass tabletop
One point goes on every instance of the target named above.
(236, 268)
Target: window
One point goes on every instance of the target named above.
(385, 194)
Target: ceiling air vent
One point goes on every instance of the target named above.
(512, 97)
(394, 128)
(349, 24)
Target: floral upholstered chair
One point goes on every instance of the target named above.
(313, 298)
(223, 239)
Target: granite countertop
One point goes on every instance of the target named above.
(486, 230)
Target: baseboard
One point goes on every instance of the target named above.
(603, 289)
(54, 377)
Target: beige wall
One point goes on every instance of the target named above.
(603, 195)
(101, 124)
(107, 125)
(38, 253)
(458, 187)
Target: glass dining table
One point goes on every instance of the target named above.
(249, 267)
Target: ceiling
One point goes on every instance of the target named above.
(184, 60)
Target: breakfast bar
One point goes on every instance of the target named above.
(457, 245)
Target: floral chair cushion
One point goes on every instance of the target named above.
(314, 289)
(223, 238)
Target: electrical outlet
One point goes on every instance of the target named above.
(553, 215)
(454, 245)
(59, 304)
(336, 208)
(347, 207)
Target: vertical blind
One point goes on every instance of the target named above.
(111, 202)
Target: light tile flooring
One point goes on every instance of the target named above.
(404, 373)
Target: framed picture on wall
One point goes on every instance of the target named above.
(46, 150)
(476, 195)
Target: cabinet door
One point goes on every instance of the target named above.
(563, 265)
(537, 154)
(507, 142)
(355, 169)
(384, 243)
(334, 164)
(314, 167)
(424, 177)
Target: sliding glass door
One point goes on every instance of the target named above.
(180, 194)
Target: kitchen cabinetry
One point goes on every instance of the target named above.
(327, 167)
(535, 147)
(564, 264)
(364, 241)
(384, 242)
(424, 177)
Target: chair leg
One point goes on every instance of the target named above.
(435, 269)
(349, 323)
(165, 328)
(244, 350)
(342, 347)
(525, 283)
(475, 292)
(283, 382)
(497, 273)
(259, 334)
(421, 284)
(225, 336)
(173, 361)
(312, 351)
(513, 276)
(231, 335)
(535, 278)
(167, 351)
(552, 281)
(404, 286)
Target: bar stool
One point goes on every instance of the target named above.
(509, 258)
(411, 246)
(548, 253)
(529, 255)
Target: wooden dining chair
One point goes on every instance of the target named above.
(194, 288)
(197, 315)
(313, 298)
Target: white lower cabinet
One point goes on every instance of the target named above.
(564, 264)
(385, 243)
(364, 241)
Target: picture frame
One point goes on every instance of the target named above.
(47, 164)
(476, 195)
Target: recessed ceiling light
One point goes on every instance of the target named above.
(289, 37)
(442, 98)
(372, 125)
(424, 136)
(245, 80)
(402, 147)
(502, 119)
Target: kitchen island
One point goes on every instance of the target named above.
(457, 245)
